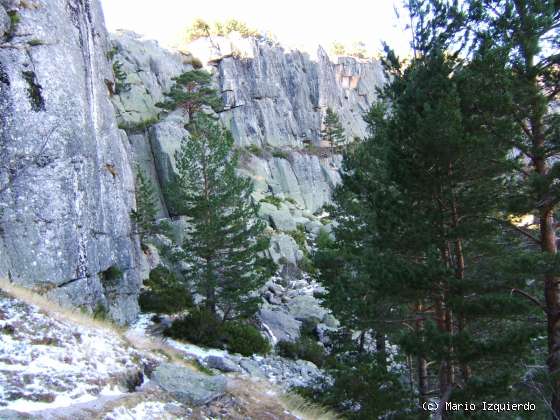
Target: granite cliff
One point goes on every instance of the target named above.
(70, 142)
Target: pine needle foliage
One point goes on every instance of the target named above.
(225, 244)
(192, 91)
(332, 131)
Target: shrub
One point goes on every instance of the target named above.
(121, 85)
(281, 154)
(100, 312)
(305, 348)
(271, 199)
(111, 276)
(306, 265)
(165, 293)
(245, 339)
(255, 150)
(196, 63)
(299, 236)
(203, 328)
(140, 126)
(200, 326)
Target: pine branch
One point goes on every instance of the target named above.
(518, 229)
(531, 298)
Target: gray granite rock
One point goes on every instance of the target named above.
(4, 22)
(278, 96)
(306, 307)
(222, 363)
(188, 386)
(65, 217)
(149, 70)
(283, 249)
(279, 324)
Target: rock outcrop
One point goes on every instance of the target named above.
(66, 182)
(78, 113)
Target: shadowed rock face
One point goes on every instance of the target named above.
(66, 180)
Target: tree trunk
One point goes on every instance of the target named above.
(422, 367)
(381, 349)
(552, 298)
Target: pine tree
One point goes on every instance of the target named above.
(225, 243)
(192, 91)
(332, 131)
(526, 33)
(417, 241)
(144, 216)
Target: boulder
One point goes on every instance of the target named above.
(188, 386)
(283, 249)
(222, 363)
(282, 220)
(280, 324)
(304, 307)
(252, 368)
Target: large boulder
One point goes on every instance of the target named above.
(305, 307)
(188, 386)
(284, 249)
(223, 364)
(279, 324)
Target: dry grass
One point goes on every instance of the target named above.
(257, 396)
(306, 410)
(260, 399)
(55, 310)
(76, 316)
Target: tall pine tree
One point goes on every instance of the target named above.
(527, 34)
(422, 258)
(225, 242)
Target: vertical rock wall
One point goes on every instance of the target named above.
(65, 178)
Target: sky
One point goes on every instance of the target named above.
(297, 23)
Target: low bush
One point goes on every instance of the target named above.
(305, 348)
(203, 328)
(271, 199)
(255, 150)
(281, 154)
(164, 293)
(245, 339)
(198, 327)
(299, 236)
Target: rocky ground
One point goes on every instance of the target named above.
(59, 365)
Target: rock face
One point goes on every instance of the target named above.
(278, 97)
(65, 175)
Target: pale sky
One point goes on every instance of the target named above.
(297, 23)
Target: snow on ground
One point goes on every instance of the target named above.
(146, 410)
(46, 363)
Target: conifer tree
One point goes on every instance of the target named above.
(225, 243)
(332, 131)
(144, 216)
(526, 33)
(421, 257)
(191, 92)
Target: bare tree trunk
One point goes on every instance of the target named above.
(422, 365)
